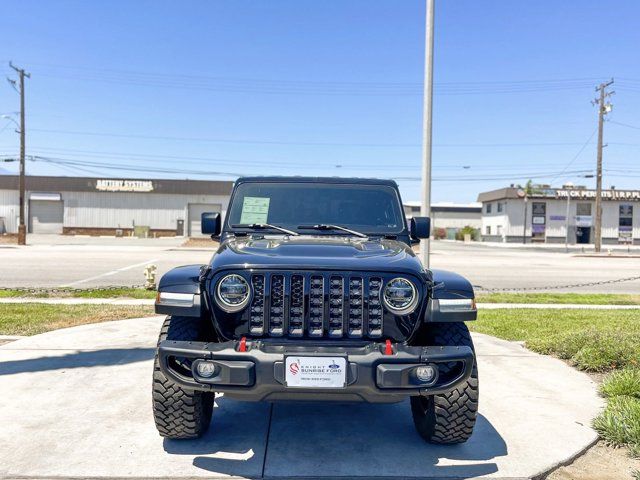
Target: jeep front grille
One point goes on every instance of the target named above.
(303, 304)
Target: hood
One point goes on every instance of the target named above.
(317, 252)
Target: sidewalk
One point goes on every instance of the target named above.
(558, 306)
(481, 306)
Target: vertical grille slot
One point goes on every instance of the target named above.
(316, 306)
(296, 309)
(336, 304)
(256, 324)
(375, 308)
(276, 311)
(355, 307)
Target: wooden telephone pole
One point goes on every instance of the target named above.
(22, 228)
(603, 109)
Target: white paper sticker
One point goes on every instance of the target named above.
(254, 210)
(316, 372)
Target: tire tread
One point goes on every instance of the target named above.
(179, 413)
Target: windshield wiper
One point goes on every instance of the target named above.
(323, 226)
(263, 226)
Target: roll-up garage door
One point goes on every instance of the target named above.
(195, 212)
(45, 216)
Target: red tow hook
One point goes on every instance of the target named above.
(242, 346)
(388, 349)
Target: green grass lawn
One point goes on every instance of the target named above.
(592, 340)
(33, 318)
(138, 293)
(578, 298)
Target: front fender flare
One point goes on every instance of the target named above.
(450, 287)
(185, 282)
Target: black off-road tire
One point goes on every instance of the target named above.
(180, 413)
(448, 418)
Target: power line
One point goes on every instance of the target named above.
(624, 124)
(277, 142)
(576, 155)
(308, 87)
(119, 167)
(81, 155)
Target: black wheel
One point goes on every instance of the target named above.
(449, 417)
(178, 412)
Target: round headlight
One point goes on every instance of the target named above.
(232, 294)
(400, 296)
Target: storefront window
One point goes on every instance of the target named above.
(583, 209)
(625, 224)
(538, 221)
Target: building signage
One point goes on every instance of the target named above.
(115, 185)
(558, 218)
(625, 234)
(583, 194)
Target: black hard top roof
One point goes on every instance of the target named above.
(295, 179)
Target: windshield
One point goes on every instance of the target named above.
(373, 209)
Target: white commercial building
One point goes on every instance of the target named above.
(110, 206)
(508, 215)
(451, 217)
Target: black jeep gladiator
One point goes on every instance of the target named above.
(315, 294)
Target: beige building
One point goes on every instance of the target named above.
(111, 206)
(552, 215)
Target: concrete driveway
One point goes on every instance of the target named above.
(76, 403)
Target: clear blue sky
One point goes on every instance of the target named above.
(173, 89)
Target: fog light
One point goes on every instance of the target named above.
(206, 369)
(426, 373)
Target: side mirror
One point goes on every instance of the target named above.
(210, 223)
(420, 227)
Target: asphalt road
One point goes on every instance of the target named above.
(80, 406)
(90, 262)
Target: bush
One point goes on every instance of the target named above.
(592, 350)
(439, 234)
(468, 230)
(619, 423)
(622, 382)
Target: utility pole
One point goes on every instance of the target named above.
(22, 229)
(603, 109)
(425, 208)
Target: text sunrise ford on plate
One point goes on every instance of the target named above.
(315, 294)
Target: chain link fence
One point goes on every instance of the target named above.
(31, 291)
(480, 288)
(34, 291)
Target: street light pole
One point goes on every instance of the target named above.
(524, 223)
(425, 208)
(566, 236)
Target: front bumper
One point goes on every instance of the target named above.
(255, 370)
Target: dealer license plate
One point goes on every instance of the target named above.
(316, 372)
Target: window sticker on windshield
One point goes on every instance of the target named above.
(254, 210)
